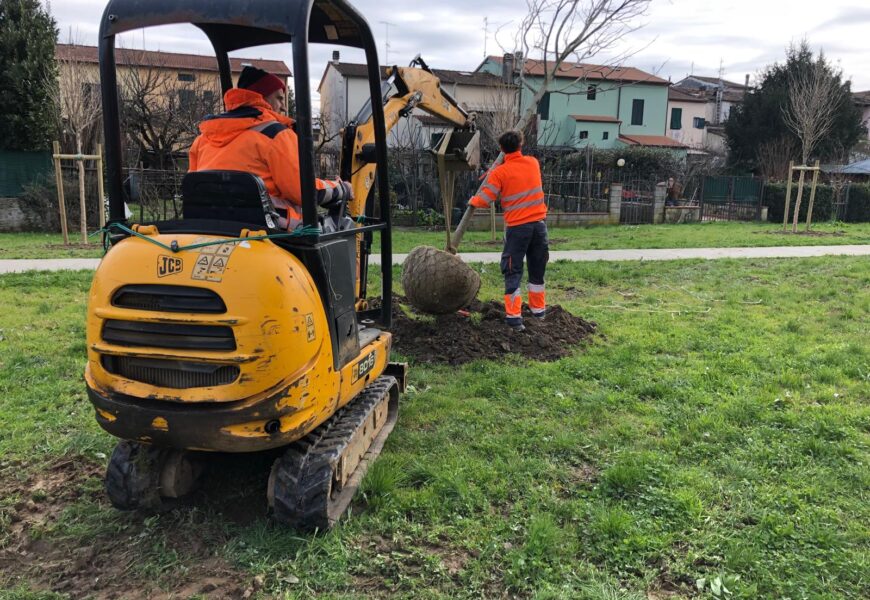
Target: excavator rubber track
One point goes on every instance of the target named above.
(313, 483)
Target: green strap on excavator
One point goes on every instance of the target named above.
(301, 232)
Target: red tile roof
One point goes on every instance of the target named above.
(650, 140)
(590, 72)
(169, 60)
(596, 118)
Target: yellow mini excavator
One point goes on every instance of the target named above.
(216, 332)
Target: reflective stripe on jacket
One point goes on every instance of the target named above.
(251, 137)
(516, 185)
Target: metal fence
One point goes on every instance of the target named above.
(567, 192)
(18, 169)
(727, 198)
(154, 195)
(638, 202)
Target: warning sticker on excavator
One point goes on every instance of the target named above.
(213, 260)
(309, 326)
(363, 367)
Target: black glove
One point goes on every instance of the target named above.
(331, 198)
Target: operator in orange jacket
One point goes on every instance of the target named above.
(254, 136)
(516, 184)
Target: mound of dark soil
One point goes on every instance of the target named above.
(480, 333)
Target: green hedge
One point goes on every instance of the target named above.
(858, 208)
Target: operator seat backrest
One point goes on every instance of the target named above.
(227, 196)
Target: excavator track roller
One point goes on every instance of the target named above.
(145, 477)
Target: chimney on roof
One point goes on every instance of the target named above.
(507, 68)
(335, 56)
(747, 80)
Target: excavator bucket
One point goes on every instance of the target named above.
(461, 150)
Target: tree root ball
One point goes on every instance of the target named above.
(438, 282)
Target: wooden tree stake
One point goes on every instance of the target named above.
(812, 195)
(100, 191)
(787, 195)
(83, 220)
(797, 202)
(60, 200)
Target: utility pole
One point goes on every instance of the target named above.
(387, 26)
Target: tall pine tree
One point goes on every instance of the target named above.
(27, 66)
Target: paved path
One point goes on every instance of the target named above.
(73, 264)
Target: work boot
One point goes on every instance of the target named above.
(540, 315)
(515, 323)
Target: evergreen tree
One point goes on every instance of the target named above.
(27, 67)
(759, 121)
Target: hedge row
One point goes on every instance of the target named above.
(857, 209)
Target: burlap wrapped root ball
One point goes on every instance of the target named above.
(438, 282)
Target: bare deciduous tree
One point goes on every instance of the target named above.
(812, 106)
(160, 110)
(77, 109)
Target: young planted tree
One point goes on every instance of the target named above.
(27, 40)
(813, 103)
(77, 111)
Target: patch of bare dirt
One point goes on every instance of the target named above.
(584, 473)
(78, 246)
(480, 333)
(107, 563)
(806, 233)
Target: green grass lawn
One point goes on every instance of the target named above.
(605, 237)
(706, 235)
(716, 433)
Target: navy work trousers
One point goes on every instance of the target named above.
(526, 241)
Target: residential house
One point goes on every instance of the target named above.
(593, 105)
(344, 90)
(687, 118)
(720, 96)
(187, 73)
(167, 93)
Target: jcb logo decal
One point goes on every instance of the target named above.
(169, 265)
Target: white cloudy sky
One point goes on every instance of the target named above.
(678, 36)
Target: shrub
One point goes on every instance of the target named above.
(40, 203)
(857, 209)
(774, 199)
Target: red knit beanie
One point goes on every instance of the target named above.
(258, 80)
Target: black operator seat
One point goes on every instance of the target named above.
(227, 195)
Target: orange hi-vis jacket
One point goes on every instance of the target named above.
(516, 184)
(252, 137)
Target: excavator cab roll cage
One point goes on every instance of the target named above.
(232, 25)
